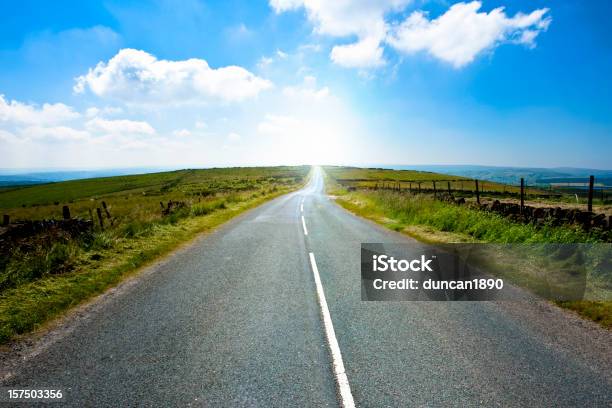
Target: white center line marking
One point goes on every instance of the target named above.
(302, 207)
(339, 372)
(304, 225)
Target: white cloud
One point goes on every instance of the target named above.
(307, 91)
(364, 19)
(343, 18)
(233, 137)
(93, 111)
(200, 124)
(181, 133)
(135, 76)
(280, 6)
(18, 112)
(55, 133)
(366, 53)
(460, 34)
(232, 140)
(119, 127)
(264, 62)
(309, 48)
(8, 137)
(279, 125)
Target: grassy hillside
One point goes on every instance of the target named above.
(181, 183)
(44, 274)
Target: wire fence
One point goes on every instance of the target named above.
(587, 193)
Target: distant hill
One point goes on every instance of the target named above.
(506, 175)
(24, 177)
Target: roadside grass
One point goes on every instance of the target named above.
(599, 312)
(55, 274)
(437, 222)
(408, 209)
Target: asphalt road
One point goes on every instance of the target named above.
(235, 320)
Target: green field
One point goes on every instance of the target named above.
(43, 275)
(423, 217)
(46, 200)
(419, 180)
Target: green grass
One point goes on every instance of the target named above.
(429, 220)
(600, 312)
(375, 174)
(146, 189)
(52, 274)
(419, 209)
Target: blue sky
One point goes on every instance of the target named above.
(200, 83)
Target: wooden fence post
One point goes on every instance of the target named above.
(66, 212)
(91, 217)
(449, 188)
(100, 218)
(434, 187)
(419, 185)
(590, 202)
(477, 192)
(106, 210)
(522, 194)
(410, 187)
(6, 219)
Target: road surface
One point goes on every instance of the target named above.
(237, 319)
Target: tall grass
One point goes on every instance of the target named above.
(200, 209)
(25, 266)
(408, 209)
(400, 210)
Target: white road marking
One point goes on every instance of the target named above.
(302, 207)
(304, 225)
(339, 372)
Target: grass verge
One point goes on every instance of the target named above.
(433, 221)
